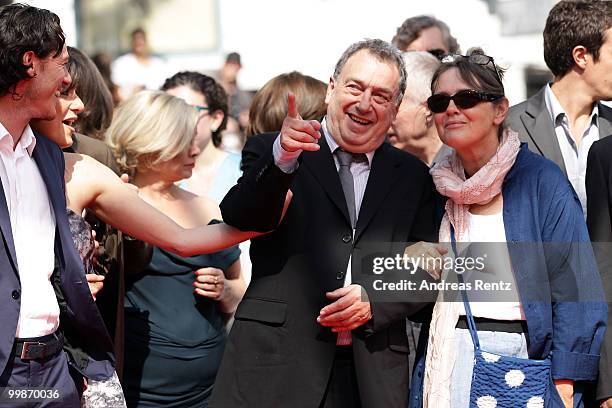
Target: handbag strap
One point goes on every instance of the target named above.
(466, 304)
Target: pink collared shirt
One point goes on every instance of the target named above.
(33, 228)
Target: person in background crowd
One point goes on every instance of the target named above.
(103, 62)
(413, 129)
(45, 299)
(425, 33)
(239, 100)
(565, 118)
(138, 69)
(269, 106)
(232, 138)
(175, 333)
(305, 333)
(216, 170)
(498, 191)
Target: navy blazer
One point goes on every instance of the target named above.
(555, 269)
(80, 320)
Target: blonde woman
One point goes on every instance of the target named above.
(92, 186)
(175, 333)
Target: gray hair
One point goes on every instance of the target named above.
(381, 50)
(420, 68)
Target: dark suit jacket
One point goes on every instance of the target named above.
(531, 119)
(277, 355)
(79, 317)
(110, 261)
(599, 221)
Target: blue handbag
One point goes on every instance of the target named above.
(501, 381)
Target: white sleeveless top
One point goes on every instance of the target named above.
(490, 228)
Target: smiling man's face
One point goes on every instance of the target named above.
(362, 102)
(45, 88)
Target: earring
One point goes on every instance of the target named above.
(213, 129)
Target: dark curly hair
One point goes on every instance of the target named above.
(573, 23)
(24, 28)
(411, 29)
(213, 92)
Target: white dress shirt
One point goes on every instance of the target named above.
(33, 228)
(574, 156)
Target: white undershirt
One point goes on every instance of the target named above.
(490, 228)
(33, 229)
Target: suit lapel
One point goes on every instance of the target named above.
(321, 165)
(540, 128)
(7, 232)
(383, 175)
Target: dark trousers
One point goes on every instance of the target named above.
(342, 390)
(50, 373)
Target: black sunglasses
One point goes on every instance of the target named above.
(468, 98)
(479, 59)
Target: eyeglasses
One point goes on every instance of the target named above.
(479, 59)
(201, 108)
(468, 98)
(438, 53)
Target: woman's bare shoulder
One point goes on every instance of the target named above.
(206, 208)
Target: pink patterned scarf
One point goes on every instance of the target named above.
(449, 178)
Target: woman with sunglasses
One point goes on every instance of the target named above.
(497, 191)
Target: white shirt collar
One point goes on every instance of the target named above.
(555, 109)
(331, 142)
(27, 141)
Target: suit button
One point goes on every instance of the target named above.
(347, 238)
(15, 295)
(340, 275)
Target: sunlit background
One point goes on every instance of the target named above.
(275, 36)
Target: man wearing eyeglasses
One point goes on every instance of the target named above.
(306, 333)
(565, 118)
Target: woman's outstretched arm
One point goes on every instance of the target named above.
(94, 186)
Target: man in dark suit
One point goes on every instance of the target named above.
(306, 334)
(45, 298)
(564, 119)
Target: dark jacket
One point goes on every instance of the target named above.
(79, 317)
(599, 221)
(555, 271)
(277, 354)
(531, 119)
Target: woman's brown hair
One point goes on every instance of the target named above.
(269, 106)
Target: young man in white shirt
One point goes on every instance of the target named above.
(44, 298)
